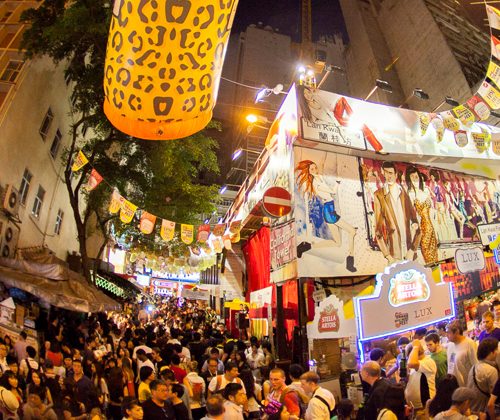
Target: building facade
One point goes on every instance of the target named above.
(413, 44)
(35, 122)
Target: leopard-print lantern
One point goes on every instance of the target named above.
(163, 65)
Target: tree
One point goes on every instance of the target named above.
(158, 176)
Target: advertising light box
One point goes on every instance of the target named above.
(406, 297)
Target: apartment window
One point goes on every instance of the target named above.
(25, 186)
(12, 70)
(37, 204)
(59, 220)
(54, 148)
(47, 121)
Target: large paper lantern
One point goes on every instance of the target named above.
(163, 65)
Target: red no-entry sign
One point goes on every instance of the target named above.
(277, 202)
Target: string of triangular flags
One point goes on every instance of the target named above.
(223, 236)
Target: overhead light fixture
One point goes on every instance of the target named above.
(251, 118)
(379, 84)
(418, 93)
(236, 154)
(447, 100)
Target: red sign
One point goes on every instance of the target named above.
(277, 202)
(329, 320)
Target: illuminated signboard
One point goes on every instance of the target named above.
(406, 297)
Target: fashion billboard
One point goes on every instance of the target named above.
(355, 216)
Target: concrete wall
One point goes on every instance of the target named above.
(21, 146)
(425, 59)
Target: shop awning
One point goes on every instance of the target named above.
(55, 284)
(116, 285)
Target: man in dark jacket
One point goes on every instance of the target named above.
(375, 400)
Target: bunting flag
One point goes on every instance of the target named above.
(235, 237)
(493, 73)
(147, 223)
(227, 242)
(438, 125)
(219, 229)
(424, 122)
(480, 109)
(94, 180)
(464, 114)
(235, 226)
(127, 211)
(461, 138)
(449, 121)
(495, 142)
(116, 202)
(167, 230)
(490, 94)
(187, 233)
(203, 232)
(217, 245)
(79, 162)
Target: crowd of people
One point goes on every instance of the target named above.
(175, 361)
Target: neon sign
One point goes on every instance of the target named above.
(407, 287)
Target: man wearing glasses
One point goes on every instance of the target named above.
(158, 407)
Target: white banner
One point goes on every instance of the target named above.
(262, 297)
(195, 294)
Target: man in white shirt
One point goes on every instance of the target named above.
(30, 359)
(142, 360)
(219, 382)
(141, 346)
(461, 353)
(416, 392)
(255, 360)
(322, 402)
(236, 397)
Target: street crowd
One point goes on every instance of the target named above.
(173, 360)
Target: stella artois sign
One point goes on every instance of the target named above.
(329, 320)
(408, 286)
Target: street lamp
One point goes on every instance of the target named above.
(239, 151)
(447, 100)
(380, 84)
(265, 92)
(418, 93)
(330, 69)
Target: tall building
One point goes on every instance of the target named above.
(413, 44)
(34, 131)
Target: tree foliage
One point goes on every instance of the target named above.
(161, 177)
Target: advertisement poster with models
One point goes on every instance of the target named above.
(356, 216)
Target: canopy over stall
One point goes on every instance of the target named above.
(56, 284)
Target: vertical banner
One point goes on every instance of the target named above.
(187, 233)
(116, 202)
(79, 162)
(147, 223)
(203, 232)
(94, 180)
(283, 250)
(167, 230)
(127, 211)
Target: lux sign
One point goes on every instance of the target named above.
(469, 260)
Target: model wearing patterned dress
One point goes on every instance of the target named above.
(421, 199)
(428, 242)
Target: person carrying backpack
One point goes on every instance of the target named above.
(281, 397)
(322, 403)
(382, 394)
(195, 386)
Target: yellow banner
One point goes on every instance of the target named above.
(494, 73)
(147, 224)
(187, 233)
(116, 202)
(490, 94)
(167, 230)
(450, 122)
(424, 122)
(127, 211)
(79, 162)
(227, 242)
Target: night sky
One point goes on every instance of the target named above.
(285, 15)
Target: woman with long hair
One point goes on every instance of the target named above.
(442, 399)
(9, 380)
(128, 377)
(322, 201)
(254, 393)
(420, 197)
(117, 391)
(38, 384)
(99, 382)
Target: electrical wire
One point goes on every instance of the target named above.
(242, 84)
